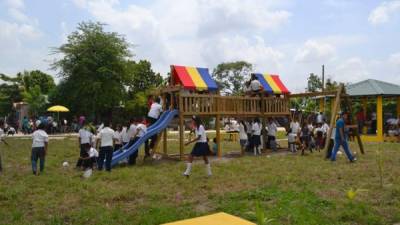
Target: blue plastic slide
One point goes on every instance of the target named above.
(154, 129)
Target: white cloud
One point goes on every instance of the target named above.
(16, 4)
(383, 12)
(194, 32)
(315, 50)
(394, 59)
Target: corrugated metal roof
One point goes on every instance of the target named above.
(373, 87)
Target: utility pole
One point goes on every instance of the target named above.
(323, 77)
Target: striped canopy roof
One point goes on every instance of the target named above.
(193, 78)
(272, 83)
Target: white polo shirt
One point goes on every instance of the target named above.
(272, 129)
(124, 134)
(39, 138)
(256, 128)
(295, 126)
(131, 131)
(141, 129)
(242, 132)
(118, 137)
(85, 136)
(200, 131)
(155, 110)
(106, 136)
(1, 133)
(93, 152)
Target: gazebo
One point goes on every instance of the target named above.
(371, 90)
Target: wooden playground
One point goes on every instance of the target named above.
(193, 92)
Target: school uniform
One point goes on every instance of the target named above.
(256, 129)
(272, 129)
(152, 116)
(39, 140)
(86, 139)
(118, 140)
(106, 137)
(201, 148)
(141, 130)
(242, 136)
(91, 157)
(124, 135)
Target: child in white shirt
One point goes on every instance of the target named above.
(40, 141)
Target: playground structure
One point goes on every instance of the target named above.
(192, 92)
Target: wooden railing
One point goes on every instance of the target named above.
(232, 105)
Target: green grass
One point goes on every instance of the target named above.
(291, 189)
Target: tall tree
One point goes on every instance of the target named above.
(231, 76)
(141, 76)
(314, 83)
(36, 100)
(34, 78)
(93, 69)
(331, 85)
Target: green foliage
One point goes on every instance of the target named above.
(331, 85)
(314, 83)
(231, 76)
(141, 77)
(93, 69)
(35, 99)
(34, 78)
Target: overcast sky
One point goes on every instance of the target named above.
(355, 40)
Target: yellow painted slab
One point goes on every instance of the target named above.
(214, 219)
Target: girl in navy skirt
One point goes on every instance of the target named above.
(201, 148)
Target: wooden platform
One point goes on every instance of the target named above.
(214, 219)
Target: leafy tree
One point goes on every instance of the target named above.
(10, 92)
(37, 78)
(231, 76)
(331, 85)
(35, 99)
(141, 77)
(93, 69)
(314, 83)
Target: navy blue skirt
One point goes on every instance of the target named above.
(256, 140)
(200, 149)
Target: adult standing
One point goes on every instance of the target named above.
(106, 139)
(152, 117)
(255, 85)
(40, 141)
(340, 139)
(85, 138)
(256, 135)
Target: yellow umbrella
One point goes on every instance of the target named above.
(58, 108)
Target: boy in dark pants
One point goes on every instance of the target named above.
(40, 141)
(106, 139)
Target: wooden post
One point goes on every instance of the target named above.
(379, 118)
(218, 127)
(398, 107)
(165, 150)
(218, 134)
(336, 106)
(322, 104)
(264, 133)
(181, 129)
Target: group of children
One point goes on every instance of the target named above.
(310, 135)
(108, 140)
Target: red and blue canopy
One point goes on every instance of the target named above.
(193, 78)
(272, 83)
